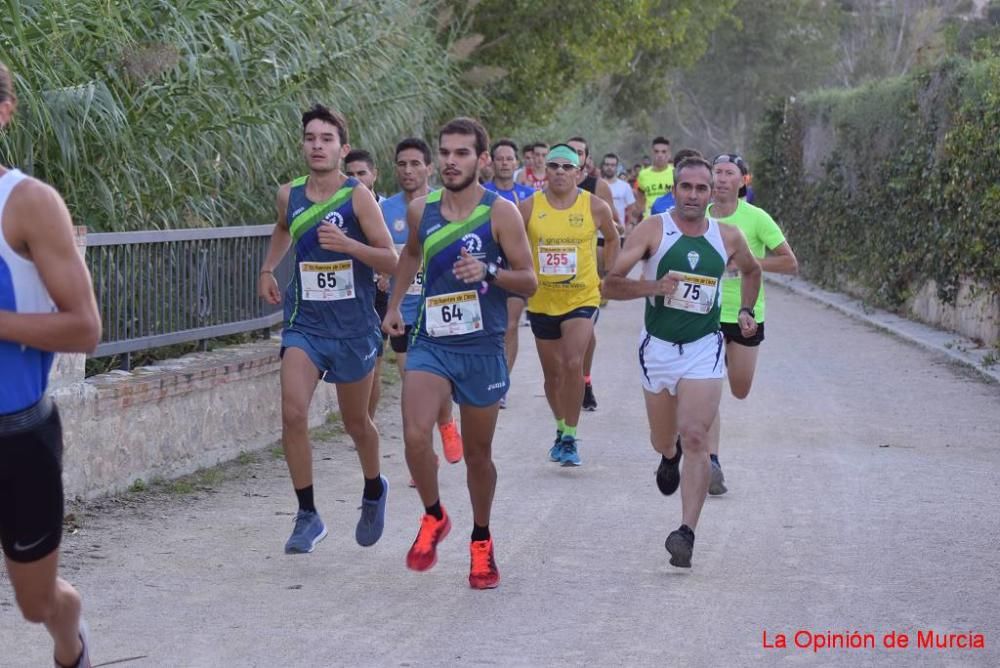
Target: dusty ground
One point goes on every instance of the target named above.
(864, 497)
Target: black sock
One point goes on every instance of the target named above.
(714, 458)
(677, 454)
(305, 496)
(373, 488)
(686, 529)
(480, 533)
(434, 510)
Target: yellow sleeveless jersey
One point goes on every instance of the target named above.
(564, 253)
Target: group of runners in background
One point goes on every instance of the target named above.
(442, 277)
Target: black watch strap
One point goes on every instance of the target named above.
(748, 311)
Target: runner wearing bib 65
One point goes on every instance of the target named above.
(768, 245)
(680, 349)
(473, 249)
(562, 224)
(331, 329)
(413, 170)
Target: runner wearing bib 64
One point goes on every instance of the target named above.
(413, 170)
(473, 249)
(562, 224)
(680, 349)
(331, 329)
(768, 245)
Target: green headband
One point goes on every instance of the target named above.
(565, 152)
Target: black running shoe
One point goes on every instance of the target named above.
(680, 545)
(589, 402)
(668, 473)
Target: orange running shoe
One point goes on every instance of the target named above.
(423, 554)
(451, 440)
(483, 573)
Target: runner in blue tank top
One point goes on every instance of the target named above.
(46, 306)
(413, 170)
(504, 156)
(331, 330)
(474, 249)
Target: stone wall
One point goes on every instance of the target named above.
(171, 419)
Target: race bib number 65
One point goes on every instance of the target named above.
(454, 314)
(694, 293)
(327, 281)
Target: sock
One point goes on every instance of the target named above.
(373, 488)
(480, 533)
(435, 511)
(445, 424)
(586, 379)
(569, 431)
(305, 496)
(714, 458)
(686, 529)
(560, 425)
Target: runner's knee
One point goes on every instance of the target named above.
(694, 437)
(358, 427)
(38, 609)
(294, 415)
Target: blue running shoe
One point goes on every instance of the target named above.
(309, 530)
(555, 452)
(372, 520)
(570, 456)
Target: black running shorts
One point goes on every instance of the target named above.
(731, 331)
(31, 492)
(549, 327)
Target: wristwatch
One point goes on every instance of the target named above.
(748, 311)
(491, 272)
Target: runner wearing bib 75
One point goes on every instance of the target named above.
(680, 348)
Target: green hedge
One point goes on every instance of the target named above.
(888, 185)
(177, 113)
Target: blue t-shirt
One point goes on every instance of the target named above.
(517, 195)
(330, 294)
(663, 204)
(394, 212)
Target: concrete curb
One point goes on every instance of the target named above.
(955, 346)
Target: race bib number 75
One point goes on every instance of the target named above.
(694, 293)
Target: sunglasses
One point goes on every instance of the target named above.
(563, 166)
(731, 158)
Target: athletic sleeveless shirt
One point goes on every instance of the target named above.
(564, 246)
(330, 294)
(25, 369)
(693, 310)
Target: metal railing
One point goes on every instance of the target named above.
(163, 287)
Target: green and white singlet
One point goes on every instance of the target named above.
(692, 311)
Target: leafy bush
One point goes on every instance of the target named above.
(888, 185)
(180, 113)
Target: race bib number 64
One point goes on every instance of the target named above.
(454, 314)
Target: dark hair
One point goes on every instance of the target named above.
(502, 142)
(541, 143)
(360, 155)
(463, 125)
(415, 143)
(332, 117)
(685, 153)
(661, 140)
(691, 162)
(528, 147)
(586, 146)
(610, 155)
(6, 84)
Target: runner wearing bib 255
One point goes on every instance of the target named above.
(331, 329)
(680, 349)
(473, 249)
(562, 224)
